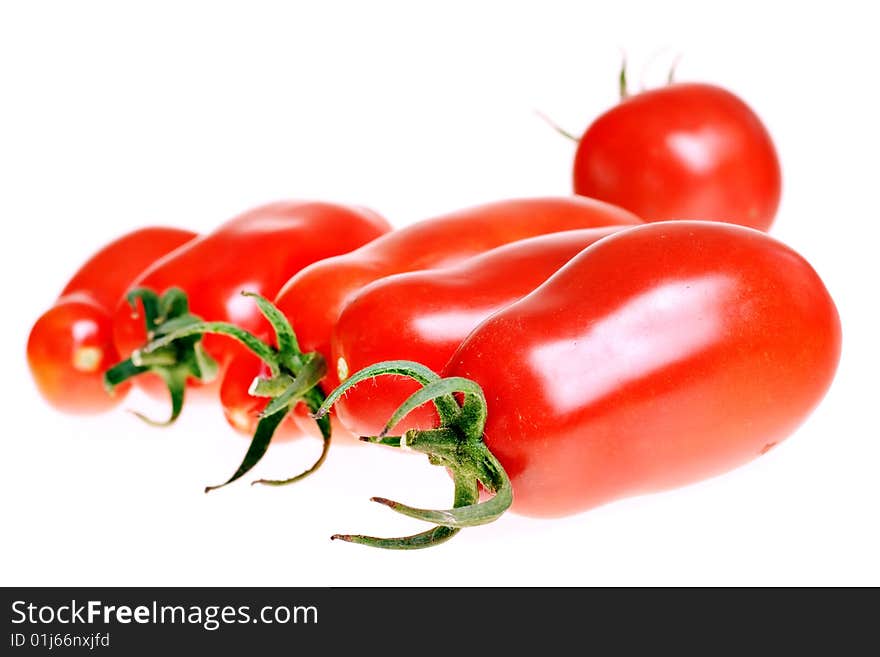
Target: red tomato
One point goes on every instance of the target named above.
(659, 356)
(314, 298)
(684, 151)
(71, 344)
(257, 252)
(424, 316)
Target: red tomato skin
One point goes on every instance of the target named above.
(684, 151)
(71, 344)
(256, 252)
(659, 356)
(315, 297)
(424, 316)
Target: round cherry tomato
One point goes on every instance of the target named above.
(424, 316)
(683, 151)
(255, 252)
(71, 344)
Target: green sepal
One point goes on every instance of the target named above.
(457, 444)
(259, 444)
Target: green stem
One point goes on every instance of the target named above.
(271, 387)
(312, 399)
(263, 351)
(259, 444)
(466, 493)
(447, 407)
(670, 79)
(325, 449)
(302, 388)
(621, 80)
(457, 444)
(121, 372)
(288, 346)
(308, 377)
(175, 381)
(562, 131)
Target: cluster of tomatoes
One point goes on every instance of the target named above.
(553, 354)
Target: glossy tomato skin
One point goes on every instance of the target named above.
(314, 298)
(423, 316)
(659, 356)
(71, 344)
(256, 252)
(684, 151)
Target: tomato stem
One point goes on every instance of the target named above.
(457, 444)
(175, 361)
(621, 79)
(466, 493)
(303, 388)
(174, 352)
(199, 328)
(673, 69)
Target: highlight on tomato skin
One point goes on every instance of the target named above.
(682, 151)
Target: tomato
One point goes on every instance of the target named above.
(256, 252)
(425, 315)
(683, 151)
(314, 298)
(71, 344)
(659, 356)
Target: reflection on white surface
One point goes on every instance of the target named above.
(449, 324)
(659, 327)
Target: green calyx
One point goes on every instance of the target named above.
(177, 360)
(457, 444)
(175, 353)
(622, 86)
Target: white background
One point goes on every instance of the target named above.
(117, 115)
